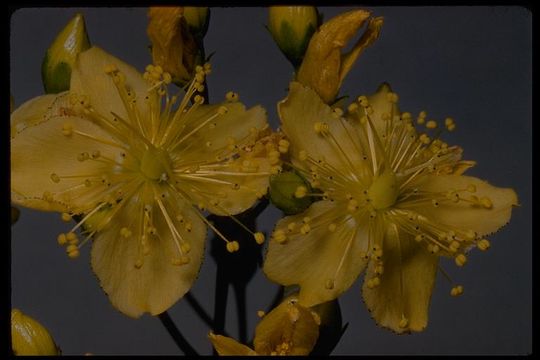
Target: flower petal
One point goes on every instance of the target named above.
(464, 215)
(380, 104)
(299, 113)
(228, 346)
(322, 262)
(89, 78)
(158, 283)
(40, 150)
(37, 110)
(405, 285)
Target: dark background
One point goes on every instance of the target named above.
(471, 63)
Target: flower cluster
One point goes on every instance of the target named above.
(138, 164)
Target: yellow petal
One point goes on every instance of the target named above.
(401, 301)
(464, 215)
(89, 78)
(158, 283)
(381, 105)
(299, 113)
(323, 262)
(227, 346)
(226, 187)
(321, 67)
(39, 151)
(289, 324)
(37, 110)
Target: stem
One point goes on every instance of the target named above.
(240, 295)
(176, 335)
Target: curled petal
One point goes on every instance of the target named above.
(227, 346)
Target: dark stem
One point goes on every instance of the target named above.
(194, 303)
(220, 301)
(176, 335)
(240, 295)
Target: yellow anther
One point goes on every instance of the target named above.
(484, 244)
(435, 202)
(66, 217)
(433, 248)
(62, 239)
(404, 322)
(329, 284)
(231, 96)
(223, 110)
(392, 97)
(431, 124)
(470, 235)
(306, 219)
(377, 253)
(71, 237)
(96, 154)
(385, 116)
(305, 229)
(67, 129)
(71, 248)
(454, 246)
(182, 260)
(471, 188)
(125, 232)
(373, 282)
(352, 205)
(363, 120)
(167, 78)
(451, 127)
(73, 254)
(151, 230)
(198, 99)
(456, 290)
(261, 313)
(233, 246)
(352, 108)
(320, 127)
(279, 236)
(379, 269)
(419, 237)
(461, 260)
(332, 227)
(369, 110)
(300, 192)
(363, 100)
(406, 116)
(424, 139)
(138, 263)
(259, 237)
(486, 202)
(111, 68)
(185, 247)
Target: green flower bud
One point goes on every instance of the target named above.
(292, 28)
(197, 18)
(28, 337)
(61, 55)
(288, 192)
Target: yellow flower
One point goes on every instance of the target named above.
(29, 337)
(289, 329)
(324, 66)
(173, 46)
(394, 201)
(135, 163)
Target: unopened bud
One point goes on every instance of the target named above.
(29, 337)
(292, 28)
(61, 55)
(283, 188)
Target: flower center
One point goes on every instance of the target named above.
(155, 164)
(383, 192)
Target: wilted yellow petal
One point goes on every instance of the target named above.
(324, 66)
(400, 301)
(173, 46)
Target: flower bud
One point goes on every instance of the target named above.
(292, 28)
(324, 66)
(28, 337)
(173, 46)
(197, 20)
(284, 190)
(61, 55)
